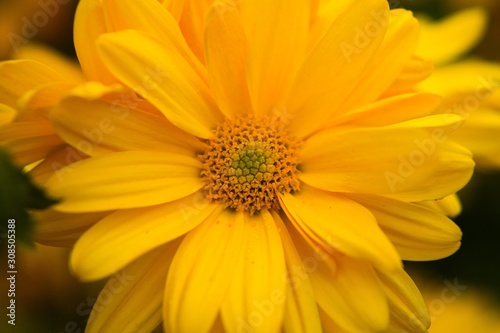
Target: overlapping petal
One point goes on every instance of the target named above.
(162, 76)
(416, 70)
(107, 127)
(301, 310)
(126, 179)
(258, 284)
(420, 165)
(417, 232)
(351, 296)
(192, 24)
(195, 284)
(407, 307)
(277, 40)
(64, 66)
(154, 19)
(89, 24)
(7, 114)
(175, 7)
(131, 302)
(394, 53)
(318, 91)
(62, 229)
(99, 252)
(21, 76)
(334, 221)
(29, 142)
(388, 111)
(226, 56)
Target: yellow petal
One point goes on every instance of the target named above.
(342, 224)
(131, 300)
(388, 111)
(356, 283)
(456, 34)
(334, 66)
(407, 307)
(103, 248)
(226, 53)
(415, 71)
(60, 229)
(474, 77)
(417, 232)
(328, 324)
(201, 272)
(55, 163)
(323, 14)
(395, 51)
(277, 40)
(95, 90)
(352, 295)
(125, 180)
(480, 134)
(192, 24)
(20, 76)
(449, 206)
(420, 165)
(29, 142)
(107, 128)
(89, 25)
(301, 310)
(152, 18)
(7, 114)
(174, 7)
(67, 68)
(37, 102)
(163, 77)
(256, 297)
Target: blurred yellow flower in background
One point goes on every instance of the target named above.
(263, 175)
(458, 307)
(30, 86)
(470, 86)
(473, 311)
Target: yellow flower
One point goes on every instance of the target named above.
(472, 311)
(469, 86)
(28, 89)
(263, 177)
(458, 307)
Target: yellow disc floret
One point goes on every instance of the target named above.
(248, 162)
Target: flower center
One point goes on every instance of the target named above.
(248, 162)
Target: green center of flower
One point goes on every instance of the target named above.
(248, 162)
